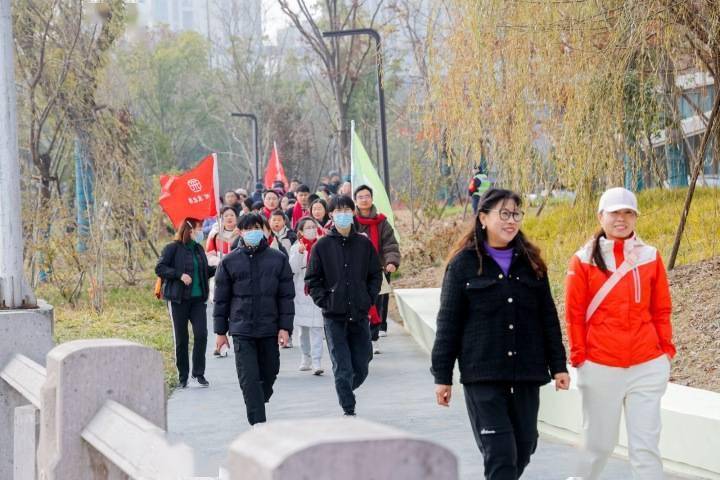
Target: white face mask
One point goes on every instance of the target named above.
(310, 234)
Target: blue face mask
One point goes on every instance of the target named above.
(343, 219)
(252, 238)
(198, 236)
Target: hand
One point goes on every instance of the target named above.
(443, 393)
(562, 381)
(301, 247)
(390, 268)
(221, 340)
(283, 338)
(186, 279)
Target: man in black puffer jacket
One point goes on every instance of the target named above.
(344, 278)
(254, 295)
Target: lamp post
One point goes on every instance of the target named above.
(253, 118)
(381, 91)
(14, 289)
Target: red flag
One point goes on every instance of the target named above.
(194, 194)
(275, 170)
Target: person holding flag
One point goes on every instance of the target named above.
(183, 266)
(185, 272)
(382, 235)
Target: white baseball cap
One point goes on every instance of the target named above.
(618, 198)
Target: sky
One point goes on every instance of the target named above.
(274, 19)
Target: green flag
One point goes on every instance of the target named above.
(362, 172)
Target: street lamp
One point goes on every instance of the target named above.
(252, 117)
(381, 91)
(14, 289)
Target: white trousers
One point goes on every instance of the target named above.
(311, 345)
(605, 391)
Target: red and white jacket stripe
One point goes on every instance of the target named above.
(632, 325)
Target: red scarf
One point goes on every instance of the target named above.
(267, 212)
(298, 213)
(373, 230)
(308, 246)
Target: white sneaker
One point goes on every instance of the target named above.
(305, 365)
(383, 333)
(318, 370)
(376, 348)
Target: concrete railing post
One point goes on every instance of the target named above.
(30, 333)
(328, 449)
(81, 376)
(27, 423)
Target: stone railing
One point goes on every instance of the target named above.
(97, 410)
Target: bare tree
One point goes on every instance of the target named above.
(342, 59)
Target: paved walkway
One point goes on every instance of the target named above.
(398, 392)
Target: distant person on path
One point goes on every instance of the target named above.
(219, 241)
(319, 211)
(258, 193)
(498, 319)
(271, 202)
(231, 199)
(278, 224)
(617, 309)
(302, 206)
(479, 184)
(308, 317)
(344, 278)
(254, 303)
(184, 269)
(375, 225)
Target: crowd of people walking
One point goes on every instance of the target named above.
(285, 264)
(317, 267)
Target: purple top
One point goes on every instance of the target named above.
(502, 257)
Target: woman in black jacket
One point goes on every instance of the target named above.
(497, 318)
(184, 269)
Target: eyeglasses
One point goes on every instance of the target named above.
(505, 214)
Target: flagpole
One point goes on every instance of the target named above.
(352, 164)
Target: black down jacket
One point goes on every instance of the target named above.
(175, 260)
(500, 328)
(254, 293)
(344, 276)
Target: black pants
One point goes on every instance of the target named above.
(257, 361)
(350, 351)
(504, 422)
(195, 312)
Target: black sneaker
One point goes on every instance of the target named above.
(202, 381)
(350, 412)
(182, 384)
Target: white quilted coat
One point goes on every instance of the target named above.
(307, 314)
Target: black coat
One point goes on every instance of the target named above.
(500, 328)
(344, 276)
(176, 260)
(254, 293)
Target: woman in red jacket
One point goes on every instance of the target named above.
(618, 320)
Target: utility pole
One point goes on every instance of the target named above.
(380, 91)
(14, 289)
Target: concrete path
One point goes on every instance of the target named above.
(398, 392)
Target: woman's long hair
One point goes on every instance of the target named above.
(476, 236)
(184, 233)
